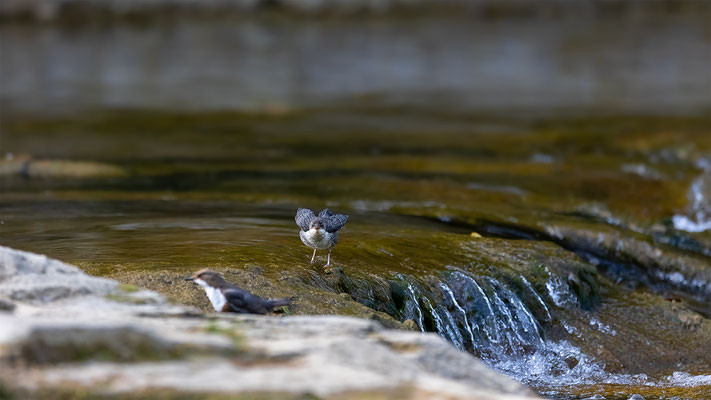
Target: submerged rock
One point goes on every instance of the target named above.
(6, 305)
(85, 343)
(23, 165)
(72, 169)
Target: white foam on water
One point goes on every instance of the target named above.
(642, 170)
(560, 293)
(677, 279)
(561, 363)
(571, 329)
(684, 223)
(684, 379)
(699, 209)
(602, 327)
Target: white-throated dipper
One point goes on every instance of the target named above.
(319, 233)
(226, 297)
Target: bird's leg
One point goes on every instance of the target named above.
(313, 257)
(328, 268)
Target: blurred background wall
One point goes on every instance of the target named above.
(504, 57)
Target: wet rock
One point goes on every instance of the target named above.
(689, 319)
(14, 164)
(6, 305)
(71, 169)
(634, 259)
(55, 343)
(410, 325)
(88, 344)
(312, 294)
(586, 288)
(23, 165)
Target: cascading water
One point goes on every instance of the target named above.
(504, 326)
(412, 307)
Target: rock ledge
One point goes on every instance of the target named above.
(64, 333)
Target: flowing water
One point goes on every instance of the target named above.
(572, 318)
(571, 251)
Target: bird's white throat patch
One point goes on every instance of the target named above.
(215, 295)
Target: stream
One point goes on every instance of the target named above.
(563, 239)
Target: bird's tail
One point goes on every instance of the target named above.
(279, 303)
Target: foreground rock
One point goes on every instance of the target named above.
(63, 333)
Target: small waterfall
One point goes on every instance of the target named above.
(531, 291)
(412, 308)
(428, 314)
(494, 319)
(480, 311)
(528, 329)
(463, 313)
(446, 327)
(507, 325)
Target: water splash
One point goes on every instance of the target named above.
(699, 207)
(571, 329)
(686, 380)
(684, 223)
(560, 293)
(604, 328)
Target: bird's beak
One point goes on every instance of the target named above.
(190, 278)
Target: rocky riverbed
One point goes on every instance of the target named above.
(550, 252)
(531, 181)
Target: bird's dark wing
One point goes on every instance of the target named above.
(325, 213)
(303, 218)
(334, 222)
(241, 301)
(236, 300)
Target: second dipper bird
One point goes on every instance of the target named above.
(319, 233)
(226, 297)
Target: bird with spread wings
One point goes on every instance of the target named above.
(319, 232)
